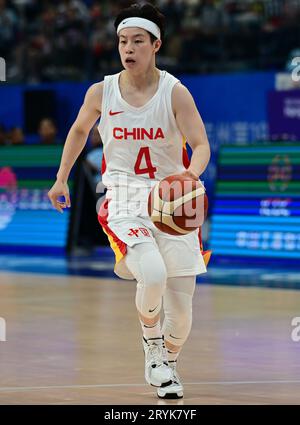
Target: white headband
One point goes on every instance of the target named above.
(140, 23)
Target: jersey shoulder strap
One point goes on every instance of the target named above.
(108, 97)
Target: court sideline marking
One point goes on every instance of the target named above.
(62, 387)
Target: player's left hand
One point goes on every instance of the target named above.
(59, 196)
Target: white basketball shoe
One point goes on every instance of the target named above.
(175, 389)
(157, 371)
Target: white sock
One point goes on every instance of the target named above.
(151, 331)
(172, 356)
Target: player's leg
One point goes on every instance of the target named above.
(178, 313)
(147, 266)
(138, 257)
(183, 259)
(177, 324)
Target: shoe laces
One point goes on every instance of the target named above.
(175, 378)
(155, 351)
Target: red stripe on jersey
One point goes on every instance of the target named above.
(103, 165)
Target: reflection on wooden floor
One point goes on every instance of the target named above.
(75, 340)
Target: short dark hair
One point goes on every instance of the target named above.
(146, 11)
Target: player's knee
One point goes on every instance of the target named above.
(147, 266)
(181, 323)
(151, 276)
(184, 314)
(178, 305)
(153, 270)
(156, 277)
(178, 316)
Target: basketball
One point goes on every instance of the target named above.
(176, 205)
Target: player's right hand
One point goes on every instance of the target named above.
(58, 190)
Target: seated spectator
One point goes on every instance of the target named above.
(48, 132)
(16, 136)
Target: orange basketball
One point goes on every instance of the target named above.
(177, 204)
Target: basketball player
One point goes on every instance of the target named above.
(146, 116)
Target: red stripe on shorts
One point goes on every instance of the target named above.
(103, 220)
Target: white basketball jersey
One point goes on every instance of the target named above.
(140, 144)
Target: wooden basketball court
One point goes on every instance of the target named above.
(75, 340)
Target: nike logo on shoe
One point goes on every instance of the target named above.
(115, 113)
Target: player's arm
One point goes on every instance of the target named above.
(75, 142)
(192, 128)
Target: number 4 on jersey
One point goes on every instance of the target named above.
(150, 169)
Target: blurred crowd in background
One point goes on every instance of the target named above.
(75, 39)
(45, 41)
(47, 134)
